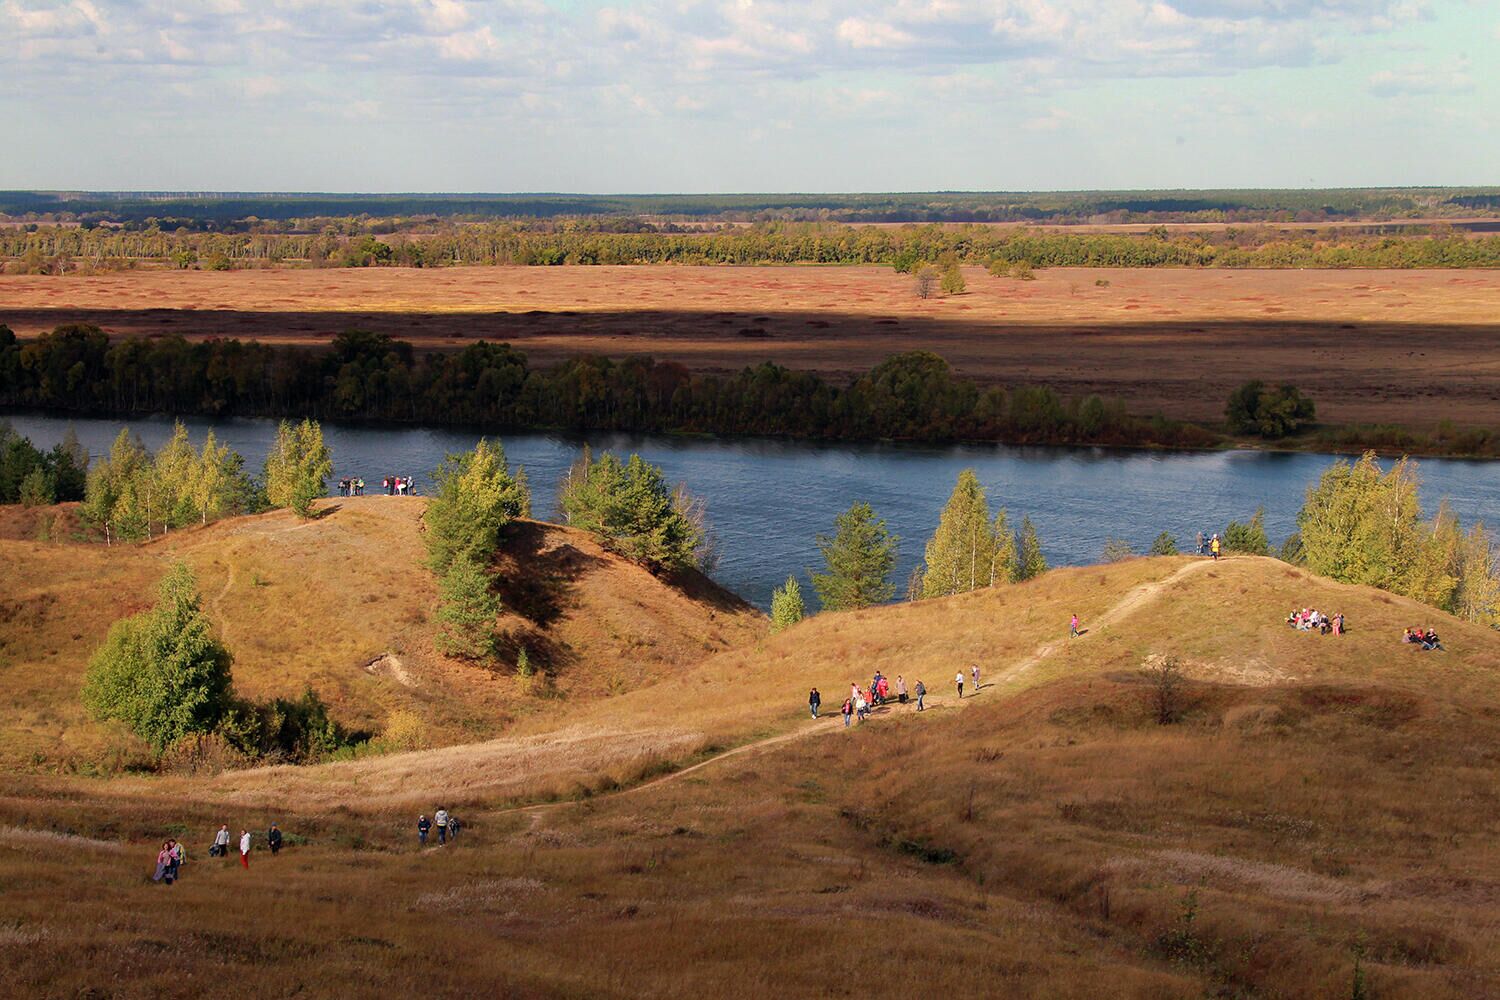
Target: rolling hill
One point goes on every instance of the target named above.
(1317, 820)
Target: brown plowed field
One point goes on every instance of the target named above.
(1406, 347)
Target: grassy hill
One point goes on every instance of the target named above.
(342, 604)
(1319, 821)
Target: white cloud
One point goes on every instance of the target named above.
(1417, 79)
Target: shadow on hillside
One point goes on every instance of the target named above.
(700, 589)
(538, 582)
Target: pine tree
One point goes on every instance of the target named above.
(1029, 559)
(1164, 545)
(787, 608)
(630, 508)
(1249, 538)
(1007, 553)
(297, 466)
(859, 557)
(466, 616)
(476, 497)
(162, 672)
(961, 554)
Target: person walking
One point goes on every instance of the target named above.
(1073, 628)
(245, 849)
(441, 819)
(179, 855)
(423, 825)
(273, 839)
(847, 711)
(221, 842)
(1200, 543)
(1213, 548)
(976, 678)
(921, 690)
(453, 825)
(959, 680)
(900, 689)
(814, 699)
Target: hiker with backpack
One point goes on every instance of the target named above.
(441, 819)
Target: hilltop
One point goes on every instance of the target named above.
(343, 604)
(1320, 814)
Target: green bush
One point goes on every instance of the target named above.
(1164, 545)
(162, 672)
(1255, 408)
(787, 608)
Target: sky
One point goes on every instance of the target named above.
(746, 95)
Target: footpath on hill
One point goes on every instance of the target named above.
(1133, 600)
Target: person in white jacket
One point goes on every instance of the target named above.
(245, 849)
(441, 819)
(221, 842)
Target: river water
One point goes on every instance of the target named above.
(767, 500)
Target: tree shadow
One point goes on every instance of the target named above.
(697, 587)
(534, 581)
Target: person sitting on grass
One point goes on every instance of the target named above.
(1430, 640)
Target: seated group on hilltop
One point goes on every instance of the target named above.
(1426, 638)
(1313, 620)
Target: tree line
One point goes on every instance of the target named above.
(59, 249)
(913, 396)
(34, 477)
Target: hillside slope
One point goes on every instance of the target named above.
(343, 604)
(1320, 820)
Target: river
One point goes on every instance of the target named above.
(767, 500)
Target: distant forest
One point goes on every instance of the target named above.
(366, 377)
(69, 249)
(244, 211)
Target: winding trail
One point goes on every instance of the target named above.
(1133, 600)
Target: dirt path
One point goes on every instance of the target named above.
(1134, 599)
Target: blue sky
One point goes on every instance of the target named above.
(747, 95)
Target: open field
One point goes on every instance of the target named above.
(1324, 805)
(1400, 347)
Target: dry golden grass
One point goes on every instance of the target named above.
(1321, 797)
(343, 604)
(1169, 340)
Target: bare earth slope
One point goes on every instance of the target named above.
(1405, 347)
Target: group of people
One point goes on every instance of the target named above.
(1424, 637)
(394, 486)
(447, 826)
(1209, 546)
(1313, 620)
(862, 701)
(170, 858)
